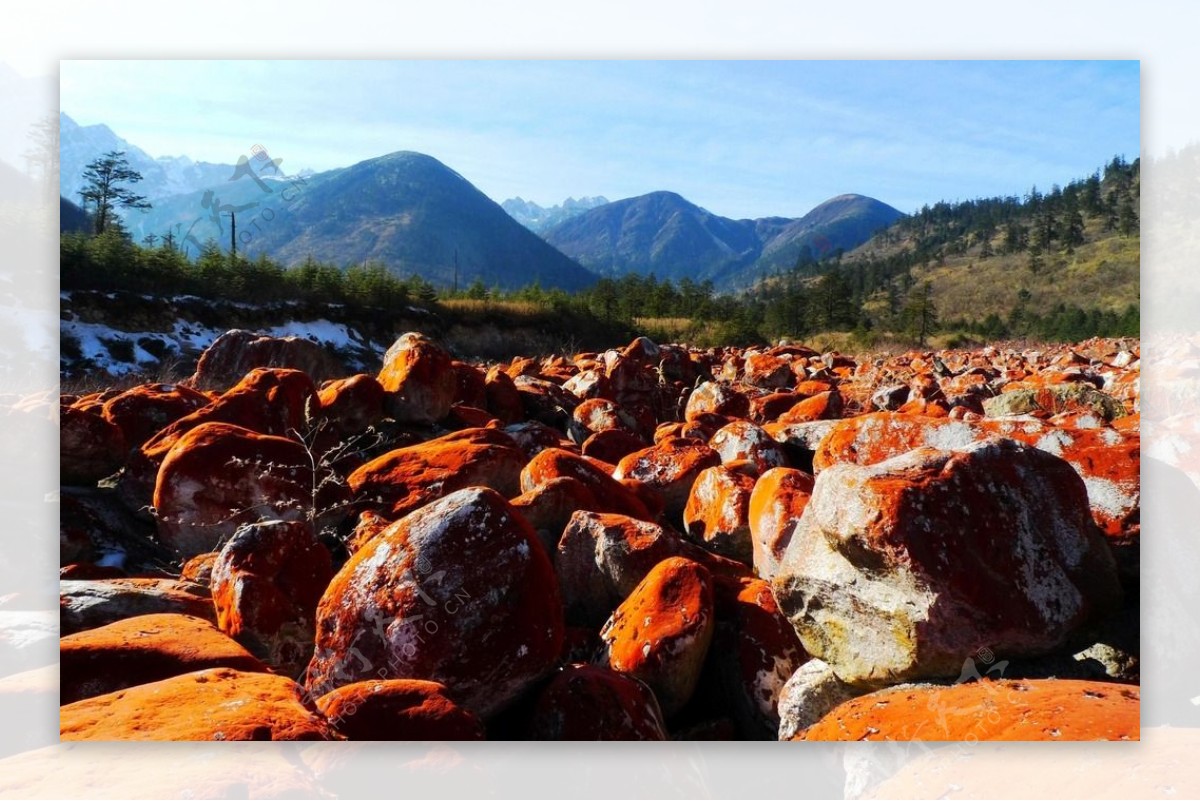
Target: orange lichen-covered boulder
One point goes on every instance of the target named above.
(611, 446)
(533, 437)
(405, 479)
(601, 559)
(743, 440)
(398, 709)
(901, 570)
(765, 408)
(776, 503)
(220, 476)
(713, 398)
(754, 652)
(1056, 710)
(89, 604)
(143, 411)
(599, 414)
(471, 385)
(352, 404)
(90, 447)
(236, 352)
(460, 592)
(266, 583)
(216, 704)
(266, 401)
(549, 506)
(769, 371)
(871, 438)
(503, 399)
(823, 406)
(610, 495)
(592, 702)
(670, 467)
(660, 634)
(718, 510)
(418, 378)
(141, 650)
(544, 401)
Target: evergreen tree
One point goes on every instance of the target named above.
(104, 189)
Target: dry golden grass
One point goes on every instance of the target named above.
(469, 305)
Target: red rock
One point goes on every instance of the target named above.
(503, 400)
(408, 605)
(629, 375)
(1057, 710)
(612, 445)
(545, 401)
(1106, 459)
(811, 388)
(903, 569)
(717, 511)
(642, 350)
(660, 634)
(143, 411)
(825, 406)
(236, 352)
(141, 650)
(601, 558)
(768, 370)
(924, 408)
(549, 506)
(871, 438)
(267, 401)
(754, 652)
(522, 365)
(599, 414)
(591, 702)
(766, 408)
(470, 385)
(533, 437)
(216, 704)
(776, 504)
(398, 709)
(89, 604)
(670, 467)
(586, 384)
(198, 569)
(90, 447)
(742, 440)
(266, 583)
(219, 477)
(470, 417)
(714, 398)
(610, 494)
(418, 378)
(92, 402)
(352, 404)
(407, 478)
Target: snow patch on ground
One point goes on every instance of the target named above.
(336, 335)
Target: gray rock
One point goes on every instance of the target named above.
(900, 570)
(812, 691)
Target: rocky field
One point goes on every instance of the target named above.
(652, 543)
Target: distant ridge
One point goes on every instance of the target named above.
(664, 234)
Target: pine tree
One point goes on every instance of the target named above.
(103, 189)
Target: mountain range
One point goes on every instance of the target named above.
(664, 234)
(538, 218)
(161, 177)
(415, 215)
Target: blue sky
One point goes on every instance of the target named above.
(741, 138)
